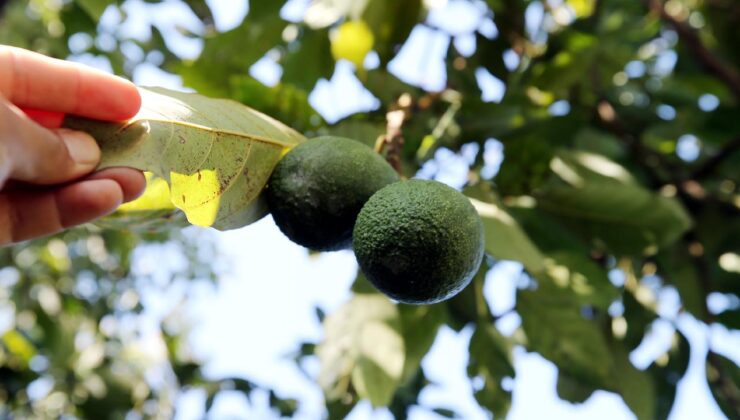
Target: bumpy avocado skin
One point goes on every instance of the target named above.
(318, 188)
(419, 241)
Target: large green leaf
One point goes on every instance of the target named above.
(505, 239)
(490, 360)
(636, 387)
(601, 200)
(420, 324)
(555, 328)
(215, 154)
(363, 345)
(585, 280)
(572, 390)
(283, 101)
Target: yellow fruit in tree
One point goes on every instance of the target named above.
(352, 41)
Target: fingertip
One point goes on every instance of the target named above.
(131, 181)
(106, 97)
(130, 100)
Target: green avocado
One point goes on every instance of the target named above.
(317, 189)
(419, 241)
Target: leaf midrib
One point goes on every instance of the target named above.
(250, 137)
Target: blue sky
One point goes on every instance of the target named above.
(263, 304)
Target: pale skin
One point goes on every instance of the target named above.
(47, 182)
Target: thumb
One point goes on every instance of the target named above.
(41, 156)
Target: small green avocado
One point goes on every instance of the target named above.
(317, 189)
(419, 241)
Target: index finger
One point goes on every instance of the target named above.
(32, 80)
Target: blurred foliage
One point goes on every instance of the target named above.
(596, 197)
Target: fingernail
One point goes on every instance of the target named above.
(82, 147)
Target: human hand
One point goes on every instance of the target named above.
(45, 184)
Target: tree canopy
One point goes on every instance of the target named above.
(618, 122)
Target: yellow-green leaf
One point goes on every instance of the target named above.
(215, 154)
(18, 344)
(155, 197)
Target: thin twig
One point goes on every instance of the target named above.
(393, 139)
(727, 74)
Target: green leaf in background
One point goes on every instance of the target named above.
(490, 362)
(283, 101)
(94, 8)
(723, 377)
(304, 64)
(639, 319)
(585, 280)
(505, 239)
(363, 344)
(668, 369)
(572, 390)
(391, 22)
(555, 328)
(215, 154)
(730, 319)
(420, 325)
(235, 51)
(603, 202)
(635, 386)
(363, 131)
(683, 274)
(597, 101)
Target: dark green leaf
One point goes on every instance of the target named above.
(226, 54)
(573, 390)
(636, 387)
(391, 22)
(555, 328)
(94, 8)
(730, 319)
(585, 280)
(505, 239)
(362, 344)
(667, 371)
(723, 376)
(602, 201)
(308, 59)
(490, 362)
(419, 325)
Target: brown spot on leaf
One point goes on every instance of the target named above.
(183, 198)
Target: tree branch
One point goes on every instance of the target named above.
(713, 162)
(658, 170)
(727, 74)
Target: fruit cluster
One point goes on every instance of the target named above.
(417, 241)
